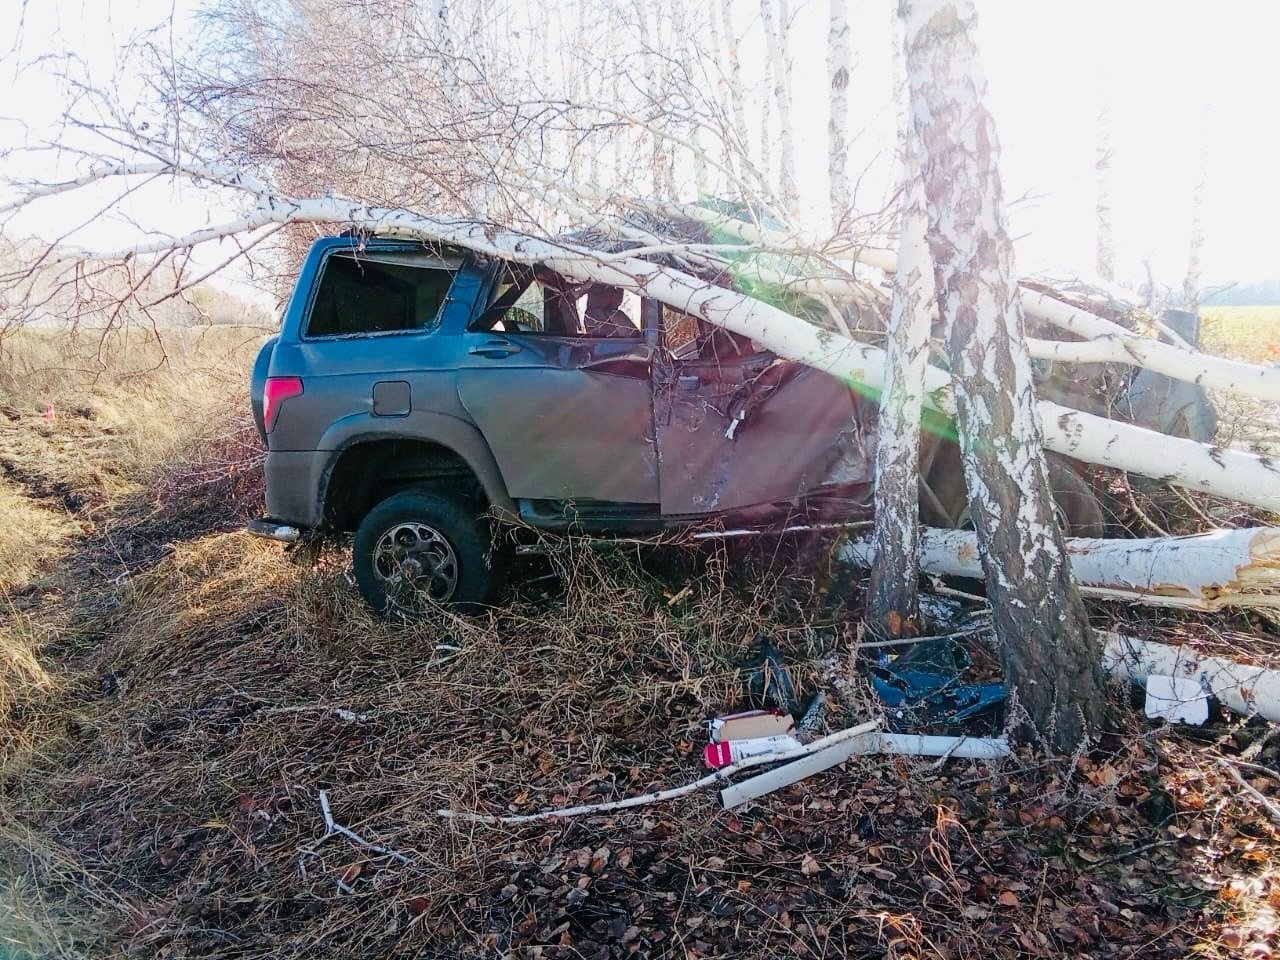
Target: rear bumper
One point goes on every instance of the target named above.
(295, 481)
(275, 530)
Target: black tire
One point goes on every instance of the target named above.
(417, 550)
(1079, 513)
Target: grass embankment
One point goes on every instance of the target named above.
(176, 694)
(1249, 333)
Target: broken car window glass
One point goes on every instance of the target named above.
(536, 300)
(384, 293)
(689, 338)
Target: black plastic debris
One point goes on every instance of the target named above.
(923, 685)
(768, 682)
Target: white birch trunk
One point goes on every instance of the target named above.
(776, 44)
(1046, 646)
(838, 63)
(1215, 373)
(1106, 250)
(1208, 571)
(737, 94)
(766, 134)
(1227, 473)
(892, 606)
(1191, 284)
(658, 154)
(1241, 687)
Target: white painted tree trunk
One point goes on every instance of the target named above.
(1208, 571)
(838, 63)
(892, 604)
(776, 44)
(1046, 647)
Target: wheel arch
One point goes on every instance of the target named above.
(369, 465)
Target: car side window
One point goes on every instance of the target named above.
(687, 337)
(533, 300)
(363, 294)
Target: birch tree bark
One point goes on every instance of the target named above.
(737, 94)
(1048, 651)
(1106, 250)
(1191, 283)
(892, 596)
(776, 43)
(892, 601)
(838, 110)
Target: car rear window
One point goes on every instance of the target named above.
(380, 293)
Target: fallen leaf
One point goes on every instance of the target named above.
(599, 860)
(809, 866)
(351, 872)
(1008, 899)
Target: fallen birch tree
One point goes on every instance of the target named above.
(1207, 571)
(1122, 345)
(1243, 688)
(1226, 473)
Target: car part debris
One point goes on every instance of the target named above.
(923, 685)
(1176, 699)
(970, 748)
(750, 725)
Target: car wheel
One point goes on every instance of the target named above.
(416, 551)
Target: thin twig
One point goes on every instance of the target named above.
(332, 827)
(719, 776)
(907, 641)
(1263, 801)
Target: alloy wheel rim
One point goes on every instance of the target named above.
(416, 567)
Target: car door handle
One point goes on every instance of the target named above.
(495, 349)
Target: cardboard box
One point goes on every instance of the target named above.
(751, 725)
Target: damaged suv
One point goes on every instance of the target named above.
(416, 396)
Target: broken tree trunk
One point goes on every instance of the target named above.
(1215, 373)
(1046, 646)
(1243, 688)
(1226, 473)
(1208, 571)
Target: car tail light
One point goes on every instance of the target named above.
(278, 390)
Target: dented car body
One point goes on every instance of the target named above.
(667, 420)
(416, 396)
(509, 391)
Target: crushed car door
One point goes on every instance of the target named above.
(557, 378)
(738, 426)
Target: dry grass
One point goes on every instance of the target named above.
(1249, 333)
(175, 694)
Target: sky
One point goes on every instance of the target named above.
(1189, 89)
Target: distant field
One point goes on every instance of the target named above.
(1250, 333)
